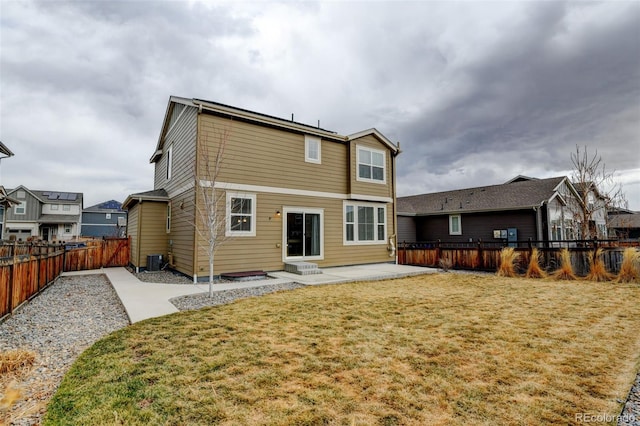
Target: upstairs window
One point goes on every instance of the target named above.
(54, 207)
(312, 148)
(66, 207)
(20, 208)
(371, 165)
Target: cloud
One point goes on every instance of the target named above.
(476, 92)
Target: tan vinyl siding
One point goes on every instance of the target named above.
(132, 232)
(369, 188)
(182, 138)
(182, 231)
(265, 250)
(153, 234)
(257, 155)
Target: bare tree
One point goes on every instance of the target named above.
(598, 191)
(211, 217)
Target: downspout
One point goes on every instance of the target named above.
(538, 211)
(195, 198)
(393, 239)
(139, 234)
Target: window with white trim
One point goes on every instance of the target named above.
(455, 224)
(107, 216)
(68, 227)
(241, 214)
(168, 217)
(20, 208)
(371, 165)
(169, 161)
(365, 223)
(312, 149)
(66, 207)
(54, 207)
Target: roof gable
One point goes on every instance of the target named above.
(376, 134)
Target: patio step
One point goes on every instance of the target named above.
(302, 268)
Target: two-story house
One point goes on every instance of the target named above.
(106, 219)
(43, 215)
(291, 192)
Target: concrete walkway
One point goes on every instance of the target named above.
(143, 300)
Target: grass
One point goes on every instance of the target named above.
(565, 272)
(508, 257)
(597, 270)
(435, 349)
(15, 365)
(535, 270)
(630, 268)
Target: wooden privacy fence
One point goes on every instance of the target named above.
(96, 254)
(27, 268)
(482, 256)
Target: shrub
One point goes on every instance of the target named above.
(566, 270)
(445, 264)
(508, 257)
(597, 270)
(535, 270)
(630, 268)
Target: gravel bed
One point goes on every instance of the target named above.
(202, 300)
(161, 277)
(58, 325)
(631, 413)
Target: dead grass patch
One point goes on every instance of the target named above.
(436, 349)
(15, 365)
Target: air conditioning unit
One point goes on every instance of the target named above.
(154, 262)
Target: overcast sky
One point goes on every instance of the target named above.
(476, 92)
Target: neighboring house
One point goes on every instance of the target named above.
(521, 209)
(595, 210)
(624, 224)
(106, 219)
(293, 193)
(5, 202)
(43, 215)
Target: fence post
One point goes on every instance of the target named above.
(480, 254)
(437, 252)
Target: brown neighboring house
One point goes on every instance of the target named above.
(306, 194)
(517, 210)
(624, 224)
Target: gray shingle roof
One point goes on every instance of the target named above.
(516, 195)
(624, 221)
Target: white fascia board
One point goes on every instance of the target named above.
(382, 138)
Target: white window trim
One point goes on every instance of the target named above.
(355, 242)
(307, 142)
(55, 207)
(459, 232)
(288, 209)
(384, 165)
(169, 161)
(168, 224)
(254, 207)
(66, 207)
(107, 215)
(22, 206)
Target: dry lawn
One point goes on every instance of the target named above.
(436, 349)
